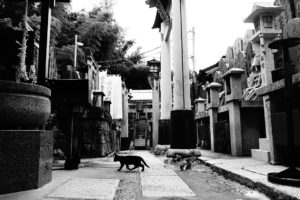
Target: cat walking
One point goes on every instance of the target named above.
(137, 161)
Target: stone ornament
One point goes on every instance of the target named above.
(246, 40)
(237, 46)
(229, 53)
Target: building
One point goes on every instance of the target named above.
(140, 118)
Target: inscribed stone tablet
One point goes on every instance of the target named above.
(237, 46)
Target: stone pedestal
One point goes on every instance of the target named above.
(183, 132)
(233, 95)
(164, 131)
(25, 159)
(212, 91)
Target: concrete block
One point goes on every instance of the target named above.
(261, 155)
(25, 159)
(264, 144)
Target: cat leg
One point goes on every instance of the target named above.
(142, 167)
(121, 167)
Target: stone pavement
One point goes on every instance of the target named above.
(159, 181)
(98, 179)
(250, 172)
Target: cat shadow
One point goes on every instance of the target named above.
(130, 172)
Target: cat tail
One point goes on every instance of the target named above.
(145, 163)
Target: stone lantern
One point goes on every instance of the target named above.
(106, 105)
(200, 105)
(98, 98)
(262, 17)
(154, 68)
(233, 84)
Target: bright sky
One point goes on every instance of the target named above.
(217, 24)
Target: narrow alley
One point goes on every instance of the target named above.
(99, 179)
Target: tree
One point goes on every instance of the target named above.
(14, 18)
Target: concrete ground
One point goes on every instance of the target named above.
(250, 172)
(99, 179)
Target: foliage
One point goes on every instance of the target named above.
(97, 29)
(65, 56)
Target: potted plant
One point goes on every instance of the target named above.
(23, 103)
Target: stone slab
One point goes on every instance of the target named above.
(165, 186)
(264, 169)
(82, 188)
(158, 171)
(261, 155)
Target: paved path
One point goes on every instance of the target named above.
(98, 179)
(161, 181)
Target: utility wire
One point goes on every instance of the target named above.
(123, 59)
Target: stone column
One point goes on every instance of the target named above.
(182, 99)
(268, 126)
(155, 113)
(183, 134)
(233, 95)
(267, 65)
(124, 129)
(212, 107)
(165, 89)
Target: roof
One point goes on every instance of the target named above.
(138, 95)
(263, 7)
(158, 19)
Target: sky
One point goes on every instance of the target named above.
(217, 23)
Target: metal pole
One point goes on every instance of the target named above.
(44, 42)
(75, 52)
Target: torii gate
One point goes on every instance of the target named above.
(182, 128)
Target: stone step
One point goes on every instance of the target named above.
(261, 155)
(264, 144)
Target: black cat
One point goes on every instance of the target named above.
(137, 161)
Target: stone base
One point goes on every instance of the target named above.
(183, 135)
(25, 159)
(164, 132)
(261, 155)
(183, 152)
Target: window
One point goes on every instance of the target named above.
(268, 21)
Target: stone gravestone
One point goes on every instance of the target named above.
(249, 54)
(248, 34)
(230, 63)
(229, 53)
(223, 68)
(240, 62)
(292, 29)
(237, 47)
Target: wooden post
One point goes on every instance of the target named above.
(44, 41)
